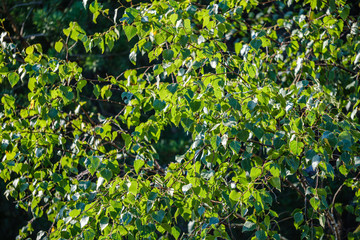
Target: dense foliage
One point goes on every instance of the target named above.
(261, 98)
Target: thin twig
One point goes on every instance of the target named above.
(336, 65)
(25, 4)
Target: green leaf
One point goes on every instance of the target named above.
(104, 222)
(187, 25)
(185, 53)
(67, 92)
(220, 18)
(256, 43)
(84, 221)
(315, 203)
(259, 132)
(32, 84)
(152, 196)
(148, 46)
(160, 38)
(173, 18)
(293, 163)
(94, 8)
(243, 135)
(222, 46)
(299, 63)
(214, 62)
(252, 71)
(159, 105)
(172, 87)
(8, 101)
(29, 50)
(106, 92)
(132, 57)
(133, 187)
(10, 155)
(168, 54)
(175, 231)
(138, 163)
(89, 234)
(224, 140)
(183, 40)
(298, 217)
(201, 210)
(322, 220)
(235, 146)
(248, 226)
(255, 173)
(58, 46)
(234, 103)
(238, 47)
(313, 4)
(97, 91)
(24, 187)
(186, 188)
(260, 235)
(99, 182)
(275, 182)
(357, 58)
(195, 105)
(94, 164)
(107, 174)
(315, 161)
(130, 32)
(102, 45)
(128, 140)
(74, 213)
(67, 31)
(13, 78)
(234, 195)
(65, 234)
(39, 152)
(213, 221)
(278, 143)
(215, 142)
(53, 113)
(126, 218)
(81, 84)
(296, 147)
(344, 12)
(158, 216)
(251, 105)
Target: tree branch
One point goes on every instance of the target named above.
(336, 65)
